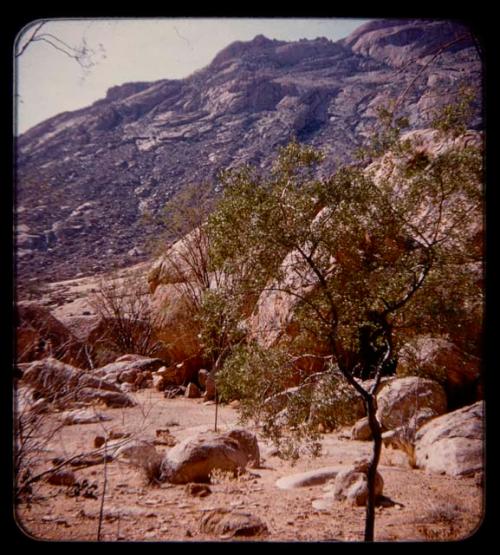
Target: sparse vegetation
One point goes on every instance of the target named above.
(300, 290)
(123, 305)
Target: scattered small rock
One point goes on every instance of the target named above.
(164, 437)
(99, 441)
(62, 478)
(198, 490)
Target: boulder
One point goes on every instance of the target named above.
(144, 379)
(173, 375)
(453, 443)
(192, 391)
(194, 459)
(273, 318)
(248, 442)
(176, 328)
(309, 478)
(401, 399)
(83, 416)
(180, 262)
(112, 399)
(102, 337)
(210, 388)
(52, 379)
(223, 522)
(55, 380)
(62, 478)
(139, 453)
(158, 382)
(352, 485)
(137, 365)
(403, 437)
(39, 335)
(88, 380)
(128, 376)
(435, 356)
(361, 430)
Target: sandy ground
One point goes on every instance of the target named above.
(426, 506)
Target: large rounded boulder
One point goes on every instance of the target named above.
(453, 443)
(402, 400)
(195, 458)
(458, 371)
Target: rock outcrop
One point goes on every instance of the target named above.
(56, 381)
(86, 178)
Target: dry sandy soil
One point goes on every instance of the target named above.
(425, 506)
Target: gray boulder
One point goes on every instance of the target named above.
(223, 522)
(309, 478)
(453, 444)
(401, 399)
(112, 399)
(361, 430)
(194, 459)
(55, 380)
(192, 391)
(352, 485)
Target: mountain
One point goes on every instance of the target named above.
(86, 179)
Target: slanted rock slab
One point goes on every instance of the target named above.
(89, 416)
(310, 478)
(112, 399)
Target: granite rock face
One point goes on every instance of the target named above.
(87, 178)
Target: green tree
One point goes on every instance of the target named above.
(368, 255)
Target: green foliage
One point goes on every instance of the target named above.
(364, 259)
(252, 375)
(453, 118)
(369, 257)
(260, 379)
(220, 329)
(334, 402)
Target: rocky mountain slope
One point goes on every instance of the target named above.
(87, 179)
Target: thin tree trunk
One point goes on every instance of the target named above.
(216, 409)
(105, 482)
(371, 409)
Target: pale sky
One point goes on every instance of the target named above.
(48, 82)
